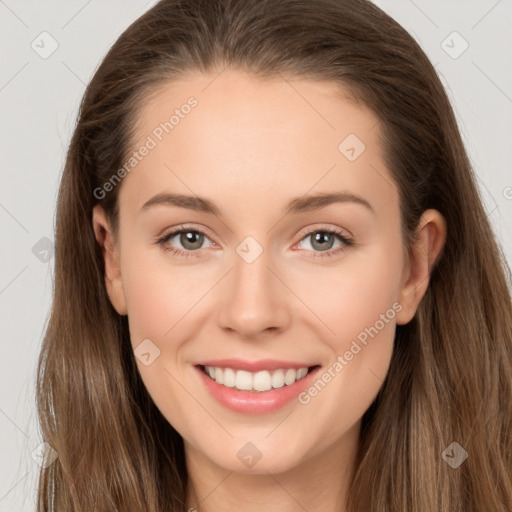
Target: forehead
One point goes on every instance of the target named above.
(235, 100)
(244, 135)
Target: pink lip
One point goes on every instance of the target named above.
(255, 366)
(255, 402)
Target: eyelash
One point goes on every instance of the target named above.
(348, 242)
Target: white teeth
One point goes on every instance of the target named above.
(289, 376)
(259, 381)
(219, 375)
(228, 377)
(302, 372)
(262, 381)
(278, 379)
(243, 380)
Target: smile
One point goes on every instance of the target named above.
(259, 392)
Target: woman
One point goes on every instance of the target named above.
(256, 369)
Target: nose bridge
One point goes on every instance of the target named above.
(253, 298)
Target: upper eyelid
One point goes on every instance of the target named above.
(324, 227)
(180, 229)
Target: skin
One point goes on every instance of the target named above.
(250, 147)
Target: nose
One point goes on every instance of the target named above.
(255, 301)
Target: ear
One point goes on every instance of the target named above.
(113, 281)
(428, 242)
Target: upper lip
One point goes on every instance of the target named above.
(254, 366)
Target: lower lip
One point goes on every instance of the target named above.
(255, 402)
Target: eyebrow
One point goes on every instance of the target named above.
(296, 205)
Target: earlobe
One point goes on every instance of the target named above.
(424, 252)
(113, 280)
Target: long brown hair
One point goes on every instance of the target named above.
(450, 378)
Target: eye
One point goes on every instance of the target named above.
(190, 239)
(322, 241)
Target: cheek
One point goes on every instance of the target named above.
(353, 295)
(159, 304)
(357, 306)
(151, 306)
(158, 294)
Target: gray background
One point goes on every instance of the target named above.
(39, 98)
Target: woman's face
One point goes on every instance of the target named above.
(291, 251)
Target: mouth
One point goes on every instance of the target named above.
(264, 391)
(256, 382)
